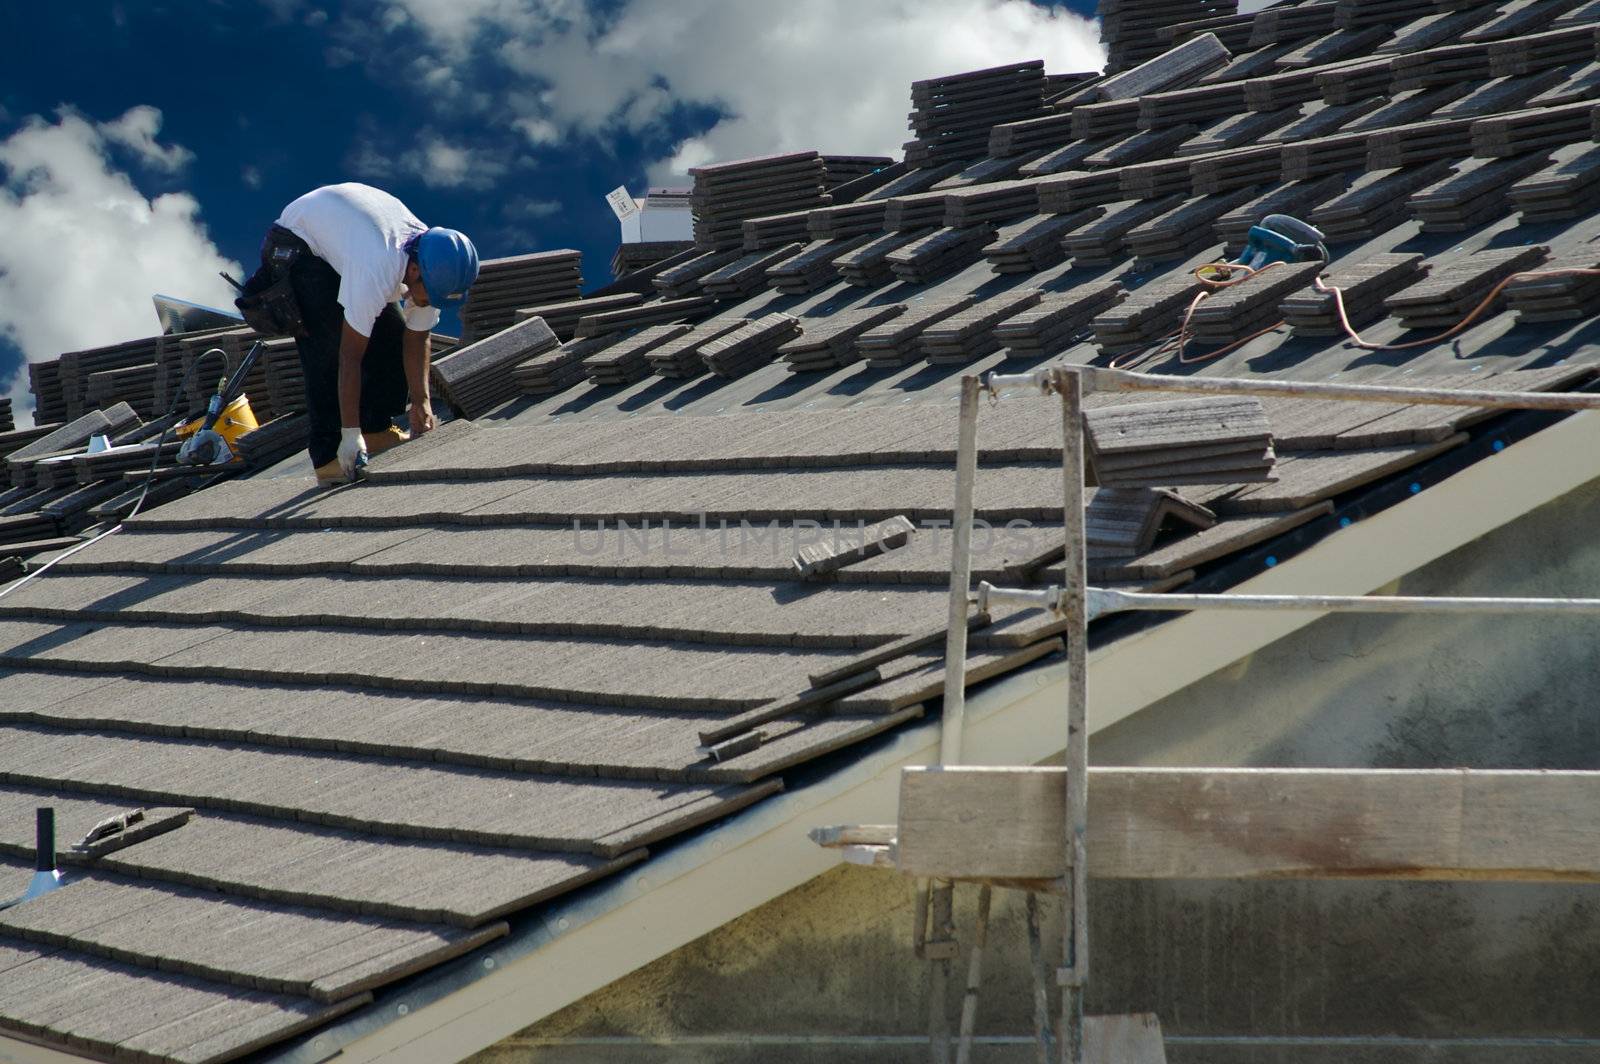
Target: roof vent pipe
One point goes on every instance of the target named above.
(46, 877)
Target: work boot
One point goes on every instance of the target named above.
(330, 475)
(378, 442)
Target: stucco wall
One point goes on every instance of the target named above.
(1251, 973)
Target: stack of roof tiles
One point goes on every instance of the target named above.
(624, 362)
(1476, 192)
(1104, 240)
(679, 357)
(136, 385)
(563, 316)
(1449, 293)
(952, 116)
(831, 342)
(1363, 287)
(78, 367)
(1225, 439)
(1131, 29)
(629, 258)
(750, 346)
(1246, 307)
(1148, 314)
(175, 355)
(1568, 188)
(1058, 318)
(276, 385)
(775, 230)
(476, 377)
(44, 381)
(868, 266)
(898, 341)
(557, 367)
(842, 169)
(682, 279)
(185, 361)
(814, 266)
(606, 322)
(275, 440)
(1549, 127)
(504, 285)
(748, 273)
(1376, 201)
(970, 334)
(848, 219)
(1558, 298)
(1034, 244)
(941, 252)
(725, 194)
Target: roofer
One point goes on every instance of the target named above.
(350, 253)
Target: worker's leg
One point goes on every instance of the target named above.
(383, 372)
(316, 288)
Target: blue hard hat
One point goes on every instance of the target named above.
(449, 265)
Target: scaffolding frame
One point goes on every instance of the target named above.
(1077, 605)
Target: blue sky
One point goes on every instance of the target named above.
(144, 144)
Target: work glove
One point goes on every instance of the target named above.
(352, 452)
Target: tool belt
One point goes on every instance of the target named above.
(267, 300)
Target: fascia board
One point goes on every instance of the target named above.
(16, 1051)
(762, 853)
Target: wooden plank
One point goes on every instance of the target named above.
(1248, 823)
(1223, 538)
(890, 651)
(1309, 477)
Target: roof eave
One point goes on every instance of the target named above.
(16, 1051)
(707, 881)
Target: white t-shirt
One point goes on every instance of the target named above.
(361, 232)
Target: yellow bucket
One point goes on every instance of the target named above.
(235, 420)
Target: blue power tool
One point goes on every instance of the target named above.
(1281, 238)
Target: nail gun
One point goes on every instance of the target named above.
(208, 446)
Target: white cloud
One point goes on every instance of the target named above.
(446, 165)
(527, 207)
(251, 176)
(84, 250)
(434, 161)
(828, 74)
(136, 130)
(538, 130)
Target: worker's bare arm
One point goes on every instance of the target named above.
(352, 348)
(417, 356)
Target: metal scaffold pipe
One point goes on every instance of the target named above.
(1102, 602)
(1097, 379)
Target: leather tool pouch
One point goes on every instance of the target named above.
(267, 302)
